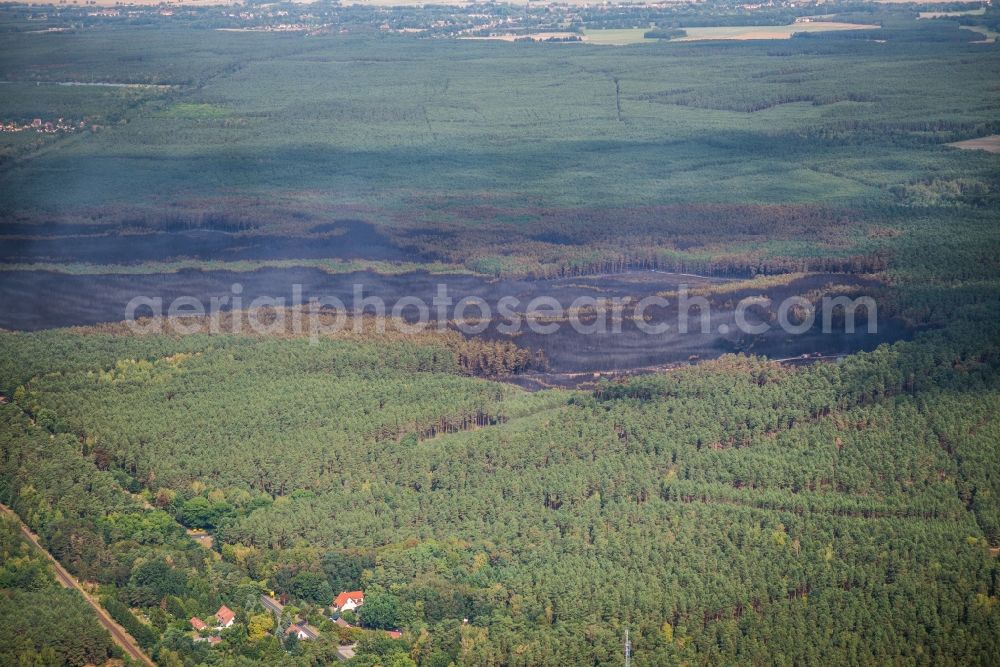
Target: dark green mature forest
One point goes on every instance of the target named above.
(732, 511)
(43, 623)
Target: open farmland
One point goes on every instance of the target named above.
(625, 36)
(769, 32)
(989, 36)
(989, 144)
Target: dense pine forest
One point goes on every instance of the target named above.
(43, 623)
(729, 510)
(732, 511)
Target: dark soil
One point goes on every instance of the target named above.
(39, 300)
(347, 239)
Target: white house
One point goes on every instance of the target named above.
(226, 616)
(348, 600)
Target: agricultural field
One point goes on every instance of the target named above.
(625, 36)
(979, 11)
(989, 144)
(617, 36)
(989, 36)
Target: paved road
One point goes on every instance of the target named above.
(118, 633)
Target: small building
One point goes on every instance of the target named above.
(198, 624)
(303, 631)
(215, 640)
(226, 616)
(395, 634)
(272, 605)
(342, 623)
(348, 600)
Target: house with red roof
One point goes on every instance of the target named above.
(198, 624)
(226, 616)
(348, 600)
(395, 634)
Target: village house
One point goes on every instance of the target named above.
(225, 616)
(303, 631)
(348, 600)
(199, 627)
